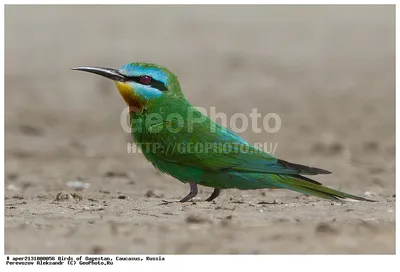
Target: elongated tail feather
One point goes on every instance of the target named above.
(309, 187)
(303, 169)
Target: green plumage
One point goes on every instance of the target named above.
(217, 168)
(222, 159)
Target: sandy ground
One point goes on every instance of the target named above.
(327, 71)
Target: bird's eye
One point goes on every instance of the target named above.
(145, 80)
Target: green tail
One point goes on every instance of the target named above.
(310, 187)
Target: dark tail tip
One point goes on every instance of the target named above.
(321, 171)
(303, 169)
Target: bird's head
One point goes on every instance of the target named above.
(140, 83)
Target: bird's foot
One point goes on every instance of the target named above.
(214, 194)
(193, 193)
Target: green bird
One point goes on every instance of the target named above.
(182, 142)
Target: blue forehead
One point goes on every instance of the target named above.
(132, 69)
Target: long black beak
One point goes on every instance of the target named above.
(105, 72)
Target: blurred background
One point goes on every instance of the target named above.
(328, 71)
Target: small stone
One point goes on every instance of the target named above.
(62, 196)
(112, 174)
(151, 193)
(77, 197)
(265, 202)
(168, 213)
(122, 197)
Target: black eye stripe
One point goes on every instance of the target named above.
(154, 83)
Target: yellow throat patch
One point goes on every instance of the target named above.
(129, 96)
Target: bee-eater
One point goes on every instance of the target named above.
(166, 127)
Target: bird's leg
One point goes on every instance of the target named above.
(214, 194)
(193, 192)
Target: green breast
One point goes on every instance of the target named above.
(150, 149)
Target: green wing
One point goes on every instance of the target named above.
(209, 146)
